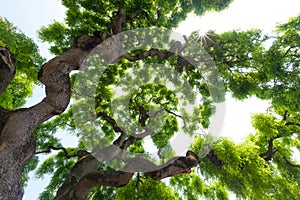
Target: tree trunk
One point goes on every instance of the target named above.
(17, 143)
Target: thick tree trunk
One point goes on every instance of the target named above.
(17, 144)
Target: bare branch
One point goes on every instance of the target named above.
(119, 20)
(48, 150)
(175, 166)
(176, 115)
(289, 49)
(107, 178)
(268, 155)
(289, 163)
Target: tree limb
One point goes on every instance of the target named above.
(175, 166)
(107, 178)
(7, 68)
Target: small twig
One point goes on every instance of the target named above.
(289, 163)
(292, 124)
(176, 115)
(49, 148)
(285, 115)
(289, 49)
(138, 180)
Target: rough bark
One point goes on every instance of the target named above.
(84, 175)
(17, 144)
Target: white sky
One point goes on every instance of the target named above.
(30, 15)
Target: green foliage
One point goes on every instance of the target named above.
(285, 68)
(102, 193)
(28, 62)
(193, 187)
(249, 68)
(147, 189)
(28, 167)
(245, 171)
(55, 33)
(240, 59)
(59, 167)
(45, 133)
(84, 17)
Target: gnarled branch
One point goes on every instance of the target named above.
(177, 165)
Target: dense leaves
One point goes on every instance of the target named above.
(85, 17)
(27, 61)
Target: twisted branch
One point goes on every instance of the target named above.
(177, 165)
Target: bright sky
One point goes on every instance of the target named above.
(30, 15)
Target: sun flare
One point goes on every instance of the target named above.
(203, 37)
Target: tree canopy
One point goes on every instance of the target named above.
(113, 47)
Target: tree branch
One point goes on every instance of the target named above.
(268, 155)
(175, 166)
(214, 159)
(143, 12)
(145, 54)
(119, 20)
(115, 127)
(48, 150)
(289, 163)
(292, 124)
(7, 68)
(107, 178)
(289, 49)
